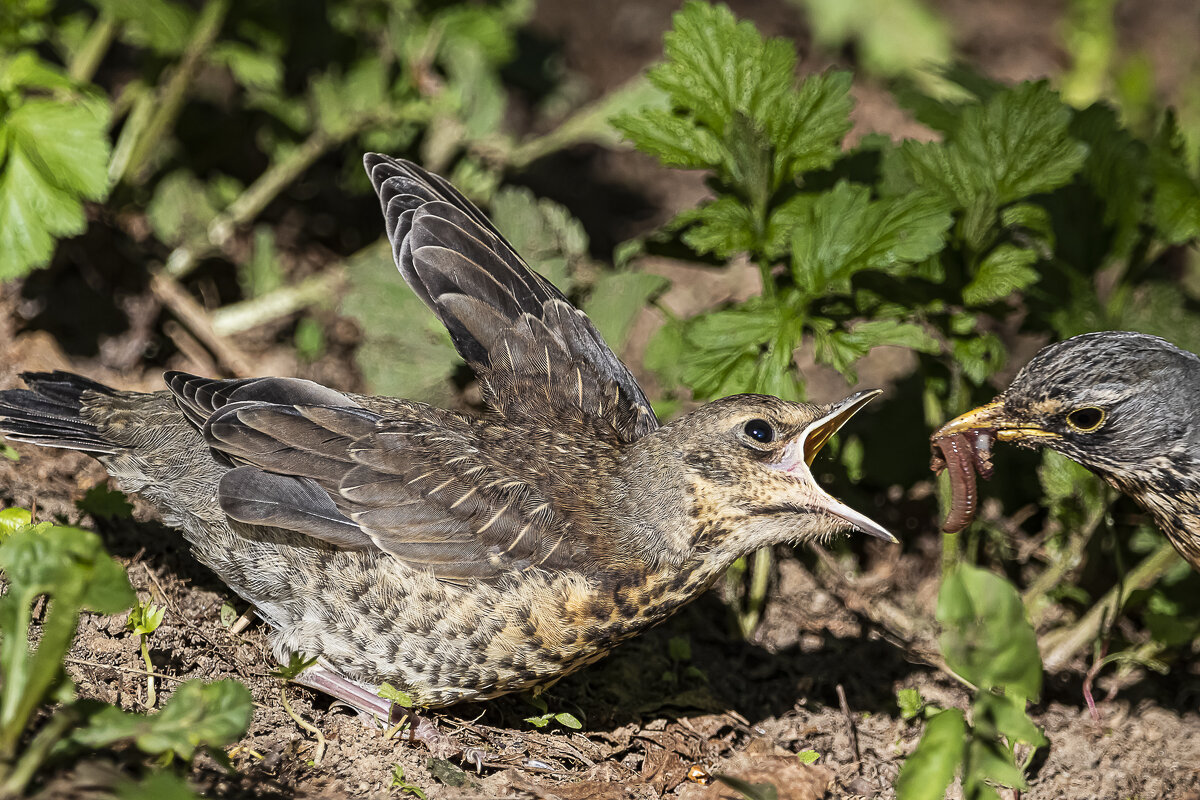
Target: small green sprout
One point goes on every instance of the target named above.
(144, 620)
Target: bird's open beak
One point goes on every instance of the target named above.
(804, 449)
(991, 417)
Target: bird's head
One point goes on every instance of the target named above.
(744, 463)
(1122, 404)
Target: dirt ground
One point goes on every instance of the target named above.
(817, 675)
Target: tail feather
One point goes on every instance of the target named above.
(50, 413)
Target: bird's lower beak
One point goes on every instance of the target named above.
(815, 436)
(991, 417)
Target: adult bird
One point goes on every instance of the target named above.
(1126, 406)
(456, 556)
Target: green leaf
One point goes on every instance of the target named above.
(615, 300)
(545, 234)
(842, 232)
(841, 348)
(1061, 478)
(198, 715)
(1005, 715)
(162, 26)
(394, 695)
(1118, 170)
(990, 761)
(181, 208)
(674, 140)
(910, 702)
(105, 503)
(309, 340)
(986, 637)
(13, 520)
(1004, 270)
(1014, 145)
(927, 773)
(144, 619)
(808, 756)
(892, 37)
(252, 68)
(1176, 206)
(568, 720)
(405, 350)
(54, 156)
(735, 107)
(261, 273)
(723, 227)
(161, 785)
(679, 648)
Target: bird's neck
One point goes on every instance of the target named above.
(1170, 491)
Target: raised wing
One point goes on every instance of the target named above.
(418, 483)
(539, 358)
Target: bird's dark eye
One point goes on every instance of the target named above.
(1086, 420)
(760, 431)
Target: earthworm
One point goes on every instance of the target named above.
(963, 453)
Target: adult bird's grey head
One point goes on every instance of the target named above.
(1125, 405)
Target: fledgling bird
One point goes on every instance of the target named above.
(456, 556)
(1126, 406)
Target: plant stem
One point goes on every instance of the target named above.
(35, 753)
(1034, 597)
(756, 595)
(319, 755)
(93, 49)
(171, 97)
(1059, 650)
(238, 317)
(151, 696)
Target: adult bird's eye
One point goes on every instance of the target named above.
(760, 431)
(1086, 420)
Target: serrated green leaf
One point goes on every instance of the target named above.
(1005, 270)
(543, 232)
(405, 350)
(1118, 170)
(841, 348)
(1015, 145)
(674, 140)
(927, 773)
(1062, 478)
(808, 756)
(198, 715)
(843, 231)
(615, 301)
(181, 208)
(55, 155)
(722, 227)
(1175, 210)
(986, 637)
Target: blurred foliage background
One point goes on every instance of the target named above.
(181, 186)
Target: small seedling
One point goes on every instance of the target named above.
(808, 756)
(144, 620)
(567, 720)
(398, 782)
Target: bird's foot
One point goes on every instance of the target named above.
(364, 698)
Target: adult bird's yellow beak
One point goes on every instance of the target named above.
(992, 417)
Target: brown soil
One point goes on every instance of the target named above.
(740, 707)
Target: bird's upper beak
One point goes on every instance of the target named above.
(992, 417)
(804, 448)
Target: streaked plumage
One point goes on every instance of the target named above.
(456, 556)
(1126, 406)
